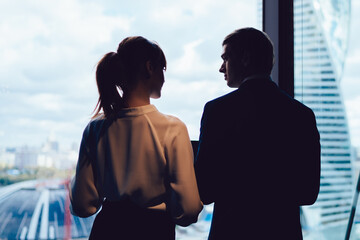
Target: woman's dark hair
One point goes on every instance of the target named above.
(118, 71)
(253, 48)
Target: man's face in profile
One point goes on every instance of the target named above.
(230, 68)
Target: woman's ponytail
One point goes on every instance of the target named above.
(119, 71)
(108, 73)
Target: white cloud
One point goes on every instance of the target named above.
(49, 34)
(46, 101)
(66, 21)
(48, 50)
(190, 62)
(193, 94)
(169, 12)
(186, 100)
(189, 13)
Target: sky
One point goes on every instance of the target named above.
(350, 82)
(49, 50)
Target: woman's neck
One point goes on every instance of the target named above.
(138, 97)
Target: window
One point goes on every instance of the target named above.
(49, 51)
(323, 79)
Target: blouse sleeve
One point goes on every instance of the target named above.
(185, 203)
(84, 197)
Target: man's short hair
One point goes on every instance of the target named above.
(253, 48)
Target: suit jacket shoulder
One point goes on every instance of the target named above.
(225, 99)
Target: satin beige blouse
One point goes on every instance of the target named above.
(143, 155)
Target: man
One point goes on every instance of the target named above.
(259, 153)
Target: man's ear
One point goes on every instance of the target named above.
(149, 69)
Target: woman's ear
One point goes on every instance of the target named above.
(149, 69)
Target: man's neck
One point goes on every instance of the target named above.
(255, 76)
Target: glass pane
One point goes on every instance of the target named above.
(49, 50)
(322, 32)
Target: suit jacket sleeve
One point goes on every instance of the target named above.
(209, 151)
(307, 157)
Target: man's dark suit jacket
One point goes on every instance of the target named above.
(258, 161)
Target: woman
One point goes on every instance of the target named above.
(135, 163)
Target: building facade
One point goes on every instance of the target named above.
(321, 30)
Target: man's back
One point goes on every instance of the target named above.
(258, 160)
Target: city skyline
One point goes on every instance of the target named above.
(48, 92)
(50, 51)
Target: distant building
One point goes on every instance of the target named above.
(26, 157)
(321, 29)
(47, 156)
(51, 145)
(357, 154)
(7, 158)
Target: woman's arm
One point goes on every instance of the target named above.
(185, 204)
(85, 200)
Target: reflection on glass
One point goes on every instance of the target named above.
(321, 30)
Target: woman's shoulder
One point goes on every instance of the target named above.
(170, 119)
(97, 118)
(168, 122)
(95, 125)
(96, 121)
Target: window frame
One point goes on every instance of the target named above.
(278, 23)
